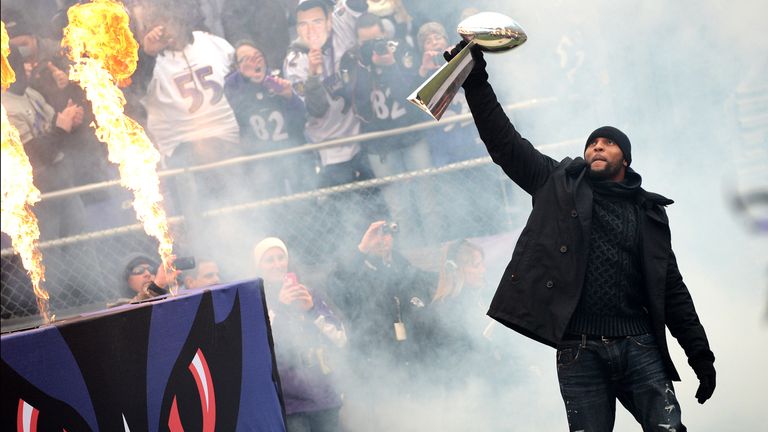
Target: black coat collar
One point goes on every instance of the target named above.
(647, 200)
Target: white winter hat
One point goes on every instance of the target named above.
(265, 245)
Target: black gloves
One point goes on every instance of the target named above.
(449, 55)
(478, 73)
(706, 374)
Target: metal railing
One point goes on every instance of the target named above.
(463, 199)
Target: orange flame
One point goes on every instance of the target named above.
(100, 31)
(19, 193)
(105, 53)
(7, 76)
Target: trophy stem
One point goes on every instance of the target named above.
(436, 93)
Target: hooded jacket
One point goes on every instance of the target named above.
(541, 285)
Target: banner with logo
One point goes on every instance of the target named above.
(201, 361)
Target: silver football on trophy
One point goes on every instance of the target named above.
(492, 31)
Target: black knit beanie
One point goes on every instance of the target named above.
(135, 260)
(614, 135)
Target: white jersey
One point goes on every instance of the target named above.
(185, 98)
(335, 123)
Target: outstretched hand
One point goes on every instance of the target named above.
(372, 238)
(449, 55)
(478, 70)
(477, 53)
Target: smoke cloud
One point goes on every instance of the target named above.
(686, 81)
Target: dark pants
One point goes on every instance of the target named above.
(593, 373)
(316, 421)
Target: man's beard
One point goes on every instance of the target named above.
(610, 170)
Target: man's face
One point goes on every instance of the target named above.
(273, 266)
(365, 34)
(140, 277)
(207, 275)
(605, 160)
(313, 27)
(435, 42)
(251, 63)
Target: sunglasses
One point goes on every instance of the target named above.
(140, 269)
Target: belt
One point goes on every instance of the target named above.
(585, 337)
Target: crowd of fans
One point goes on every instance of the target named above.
(222, 79)
(218, 80)
(377, 331)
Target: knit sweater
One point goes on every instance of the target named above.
(613, 301)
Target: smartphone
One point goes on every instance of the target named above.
(184, 263)
(291, 279)
(271, 84)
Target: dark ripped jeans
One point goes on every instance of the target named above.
(594, 372)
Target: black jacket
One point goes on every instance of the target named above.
(364, 289)
(542, 284)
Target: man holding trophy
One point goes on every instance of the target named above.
(593, 273)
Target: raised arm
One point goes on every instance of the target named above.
(525, 165)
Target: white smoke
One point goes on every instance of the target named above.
(669, 74)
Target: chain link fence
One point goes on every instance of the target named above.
(472, 198)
